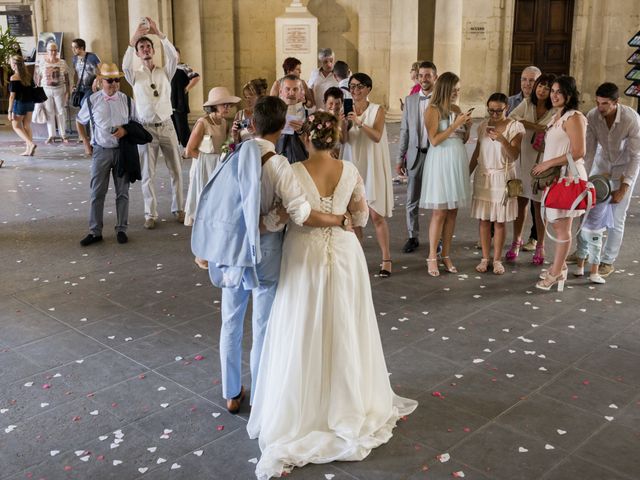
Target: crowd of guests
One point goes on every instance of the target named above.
(522, 135)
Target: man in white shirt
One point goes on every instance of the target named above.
(414, 144)
(615, 128)
(322, 77)
(152, 93)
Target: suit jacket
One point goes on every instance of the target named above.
(128, 156)
(226, 229)
(410, 130)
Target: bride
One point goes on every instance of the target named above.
(323, 391)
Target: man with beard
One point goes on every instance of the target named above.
(290, 145)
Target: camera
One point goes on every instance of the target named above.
(243, 123)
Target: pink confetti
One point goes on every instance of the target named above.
(142, 376)
(67, 468)
(466, 429)
(436, 394)
(586, 382)
(46, 386)
(100, 457)
(220, 428)
(198, 357)
(114, 405)
(76, 418)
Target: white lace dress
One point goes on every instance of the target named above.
(323, 391)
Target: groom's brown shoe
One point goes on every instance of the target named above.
(233, 404)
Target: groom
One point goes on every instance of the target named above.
(238, 235)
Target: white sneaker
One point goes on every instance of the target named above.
(579, 271)
(596, 278)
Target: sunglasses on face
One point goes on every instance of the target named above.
(155, 90)
(356, 86)
(111, 80)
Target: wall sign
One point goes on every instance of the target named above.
(476, 31)
(296, 39)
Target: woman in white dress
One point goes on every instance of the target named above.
(52, 73)
(205, 146)
(566, 134)
(495, 157)
(534, 113)
(445, 180)
(369, 152)
(323, 392)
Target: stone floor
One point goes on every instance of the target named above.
(109, 363)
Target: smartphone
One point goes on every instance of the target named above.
(470, 110)
(490, 128)
(144, 22)
(348, 106)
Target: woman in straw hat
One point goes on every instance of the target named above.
(205, 145)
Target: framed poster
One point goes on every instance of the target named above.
(45, 38)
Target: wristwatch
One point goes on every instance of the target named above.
(345, 220)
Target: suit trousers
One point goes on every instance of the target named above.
(615, 233)
(165, 141)
(414, 186)
(56, 110)
(104, 163)
(234, 307)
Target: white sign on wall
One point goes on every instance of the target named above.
(296, 39)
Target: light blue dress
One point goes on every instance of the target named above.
(445, 181)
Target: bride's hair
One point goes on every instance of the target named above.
(323, 130)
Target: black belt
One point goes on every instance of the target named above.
(154, 124)
(423, 150)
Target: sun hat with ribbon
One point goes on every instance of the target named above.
(219, 96)
(109, 70)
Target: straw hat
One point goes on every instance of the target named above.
(218, 96)
(109, 70)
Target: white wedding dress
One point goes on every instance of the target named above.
(323, 391)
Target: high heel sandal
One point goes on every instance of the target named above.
(514, 251)
(550, 280)
(433, 272)
(538, 257)
(498, 268)
(483, 265)
(451, 268)
(384, 273)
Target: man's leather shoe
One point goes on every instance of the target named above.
(411, 245)
(122, 237)
(89, 239)
(233, 404)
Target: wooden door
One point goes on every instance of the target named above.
(541, 37)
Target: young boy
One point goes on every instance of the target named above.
(599, 218)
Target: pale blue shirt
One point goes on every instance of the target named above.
(107, 113)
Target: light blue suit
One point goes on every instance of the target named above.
(241, 261)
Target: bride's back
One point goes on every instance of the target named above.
(325, 174)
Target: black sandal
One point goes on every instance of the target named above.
(384, 273)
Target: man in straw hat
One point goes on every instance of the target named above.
(108, 110)
(152, 93)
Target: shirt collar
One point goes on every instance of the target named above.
(265, 145)
(421, 93)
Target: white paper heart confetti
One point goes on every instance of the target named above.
(444, 457)
(522, 450)
(198, 453)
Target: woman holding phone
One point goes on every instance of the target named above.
(494, 162)
(445, 181)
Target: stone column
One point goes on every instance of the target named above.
(96, 26)
(373, 47)
(403, 51)
(188, 37)
(447, 49)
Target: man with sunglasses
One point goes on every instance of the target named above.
(107, 110)
(152, 93)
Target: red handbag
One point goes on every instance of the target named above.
(570, 192)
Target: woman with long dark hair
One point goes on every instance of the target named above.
(566, 135)
(21, 103)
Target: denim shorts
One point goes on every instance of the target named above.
(22, 108)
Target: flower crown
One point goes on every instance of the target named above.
(321, 130)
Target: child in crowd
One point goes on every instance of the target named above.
(599, 218)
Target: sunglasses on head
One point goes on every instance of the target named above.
(155, 90)
(111, 80)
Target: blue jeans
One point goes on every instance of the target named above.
(234, 307)
(589, 246)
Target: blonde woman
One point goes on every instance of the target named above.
(205, 145)
(251, 91)
(445, 181)
(21, 103)
(52, 73)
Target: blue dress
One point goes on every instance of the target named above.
(445, 181)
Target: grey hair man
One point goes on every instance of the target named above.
(527, 79)
(152, 93)
(414, 144)
(322, 77)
